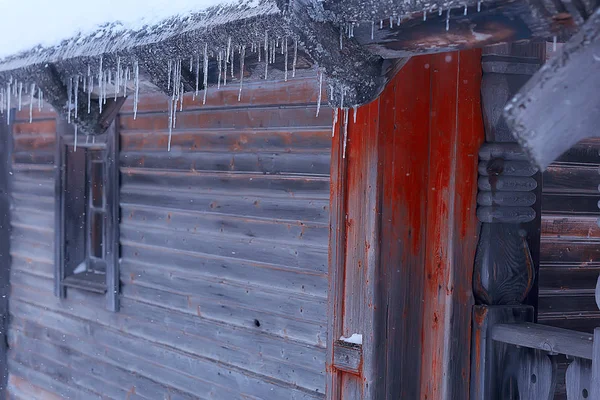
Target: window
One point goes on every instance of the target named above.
(87, 217)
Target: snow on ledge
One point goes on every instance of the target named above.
(355, 338)
(45, 23)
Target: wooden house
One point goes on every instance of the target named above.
(306, 200)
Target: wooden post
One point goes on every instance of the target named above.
(509, 202)
(403, 234)
(5, 230)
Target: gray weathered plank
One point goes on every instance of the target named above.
(546, 338)
(578, 379)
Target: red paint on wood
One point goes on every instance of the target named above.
(409, 216)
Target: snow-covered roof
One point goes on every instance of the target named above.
(63, 29)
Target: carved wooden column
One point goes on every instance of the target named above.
(508, 250)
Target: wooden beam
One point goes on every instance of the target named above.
(559, 105)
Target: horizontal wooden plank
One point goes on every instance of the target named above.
(572, 204)
(302, 232)
(580, 226)
(248, 316)
(284, 277)
(38, 157)
(25, 389)
(573, 278)
(240, 205)
(38, 128)
(165, 365)
(294, 91)
(43, 268)
(571, 179)
(50, 361)
(267, 163)
(255, 118)
(243, 348)
(584, 152)
(571, 252)
(45, 112)
(586, 325)
(233, 141)
(40, 218)
(544, 338)
(200, 291)
(301, 256)
(563, 304)
(286, 186)
(34, 250)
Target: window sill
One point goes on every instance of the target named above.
(88, 281)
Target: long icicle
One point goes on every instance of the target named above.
(219, 60)
(76, 92)
(346, 112)
(136, 96)
(31, 102)
(242, 59)
(20, 95)
(205, 65)
(295, 58)
(320, 95)
(197, 76)
(285, 63)
(266, 54)
(335, 120)
(69, 98)
(75, 141)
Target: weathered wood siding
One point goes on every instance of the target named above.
(223, 256)
(570, 245)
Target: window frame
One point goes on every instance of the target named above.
(65, 134)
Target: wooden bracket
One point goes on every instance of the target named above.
(56, 93)
(347, 357)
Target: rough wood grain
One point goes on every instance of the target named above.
(554, 110)
(347, 357)
(536, 378)
(578, 379)
(546, 338)
(595, 380)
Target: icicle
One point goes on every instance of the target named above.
(346, 112)
(181, 97)
(191, 63)
(285, 62)
(20, 95)
(465, 13)
(342, 97)
(228, 50)
(399, 20)
(170, 102)
(440, 11)
(105, 87)
(169, 67)
(197, 76)
(266, 54)
(69, 98)
(242, 60)
(335, 118)
(8, 102)
(355, 109)
(274, 54)
(295, 58)
(479, 6)
(259, 52)
(76, 91)
(219, 57)
(40, 99)
(232, 60)
(320, 95)
(391, 21)
(205, 65)
(75, 141)
(448, 20)
(100, 82)
(31, 102)
(136, 83)
(225, 71)
(554, 39)
(117, 78)
(90, 88)
(380, 24)
(341, 40)
(424, 16)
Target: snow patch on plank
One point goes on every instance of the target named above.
(355, 338)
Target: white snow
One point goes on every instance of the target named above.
(27, 24)
(355, 338)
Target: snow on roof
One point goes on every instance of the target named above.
(41, 25)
